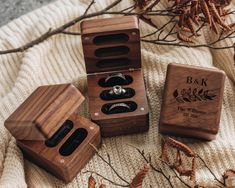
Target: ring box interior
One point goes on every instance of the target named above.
(192, 101)
(112, 46)
(51, 134)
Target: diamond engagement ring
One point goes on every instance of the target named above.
(117, 75)
(117, 90)
(119, 105)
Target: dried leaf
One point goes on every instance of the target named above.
(190, 25)
(214, 27)
(184, 38)
(138, 179)
(185, 29)
(91, 182)
(164, 155)
(229, 173)
(215, 12)
(177, 165)
(180, 146)
(102, 186)
(205, 11)
(229, 178)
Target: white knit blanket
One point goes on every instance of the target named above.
(60, 60)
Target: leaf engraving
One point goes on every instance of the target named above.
(200, 91)
(193, 95)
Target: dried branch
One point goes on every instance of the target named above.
(112, 182)
(138, 179)
(61, 29)
(136, 182)
(210, 45)
(156, 169)
(108, 162)
(212, 173)
(70, 33)
(184, 15)
(89, 6)
(176, 175)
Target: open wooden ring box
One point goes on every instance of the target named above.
(51, 134)
(192, 101)
(116, 90)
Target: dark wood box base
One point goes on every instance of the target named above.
(50, 158)
(124, 126)
(136, 121)
(192, 133)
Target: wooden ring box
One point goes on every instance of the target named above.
(111, 46)
(192, 101)
(49, 132)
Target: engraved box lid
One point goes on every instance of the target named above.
(192, 101)
(44, 111)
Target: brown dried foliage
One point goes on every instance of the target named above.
(91, 182)
(177, 164)
(138, 179)
(228, 174)
(102, 186)
(193, 12)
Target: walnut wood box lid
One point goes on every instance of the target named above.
(192, 101)
(111, 44)
(43, 112)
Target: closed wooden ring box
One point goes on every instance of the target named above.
(112, 46)
(51, 134)
(192, 101)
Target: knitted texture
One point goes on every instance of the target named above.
(60, 60)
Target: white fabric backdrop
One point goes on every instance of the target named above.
(59, 60)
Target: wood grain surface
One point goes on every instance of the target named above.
(39, 116)
(122, 123)
(192, 101)
(64, 167)
(113, 45)
(115, 32)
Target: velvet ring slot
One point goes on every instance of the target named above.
(116, 90)
(112, 51)
(55, 137)
(115, 80)
(73, 142)
(111, 39)
(121, 107)
(108, 94)
(59, 134)
(110, 63)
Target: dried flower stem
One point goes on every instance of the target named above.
(212, 173)
(174, 12)
(176, 174)
(60, 30)
(112, 182)
(156, 169)
(108, 162)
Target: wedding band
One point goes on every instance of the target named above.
(117, 90)
(117, 75)
(119, 105)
